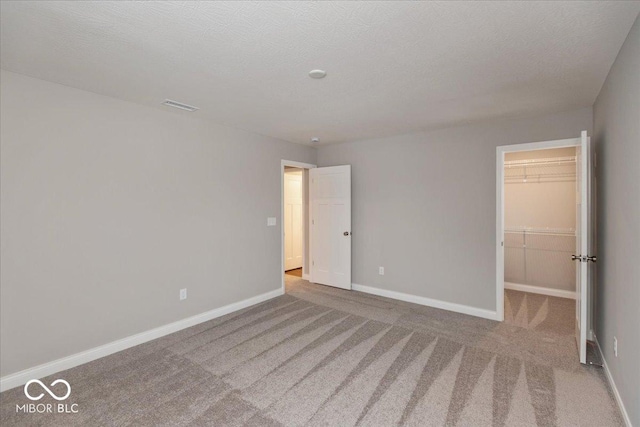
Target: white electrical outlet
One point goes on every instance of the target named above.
(183, 294)
(615, 346)
(271, 221)
(381, 271)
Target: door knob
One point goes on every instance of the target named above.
(591, 258)
(346, 233)
(576, 257)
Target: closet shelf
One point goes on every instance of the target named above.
(538, 179)
(552, 169)
(567, 232)
(550, 161)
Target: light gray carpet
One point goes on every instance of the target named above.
(324, 356)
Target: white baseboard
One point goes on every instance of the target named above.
(20, 378)
(540, 290)
(444, 305)
(612, 383)
(305, 276)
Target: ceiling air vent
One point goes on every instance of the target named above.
(175, 104)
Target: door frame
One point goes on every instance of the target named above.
(305, 204)
(500, 152)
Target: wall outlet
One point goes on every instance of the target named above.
(615, 346)
(381, 271)
(271, 221)
(183, 294)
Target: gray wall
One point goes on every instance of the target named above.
(617, 146)
(424, 205)
(109, 208)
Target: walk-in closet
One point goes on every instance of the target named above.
(540, 221)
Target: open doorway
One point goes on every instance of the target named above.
(295, 220)
(543, 241)
(540, 222)
(326, 224)
(540, 239)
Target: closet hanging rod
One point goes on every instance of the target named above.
(555, 230)
(540, 178)
(556, 174)
(542, 234)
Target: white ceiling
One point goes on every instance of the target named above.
(392, 67)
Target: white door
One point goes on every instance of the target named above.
(583, 268)
(330, 199)
(292, 220)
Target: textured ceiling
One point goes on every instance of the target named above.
(393, 67)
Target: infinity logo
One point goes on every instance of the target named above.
(38, 397)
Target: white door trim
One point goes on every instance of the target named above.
(293, 164)
(500, 152)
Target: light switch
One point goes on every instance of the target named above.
(271, 221)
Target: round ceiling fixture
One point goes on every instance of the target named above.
(317, 74)
(315, 139)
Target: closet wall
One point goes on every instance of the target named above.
(540, 218)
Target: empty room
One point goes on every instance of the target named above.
(336, 213)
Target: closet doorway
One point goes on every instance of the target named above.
(540, 221)
(543, 253)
